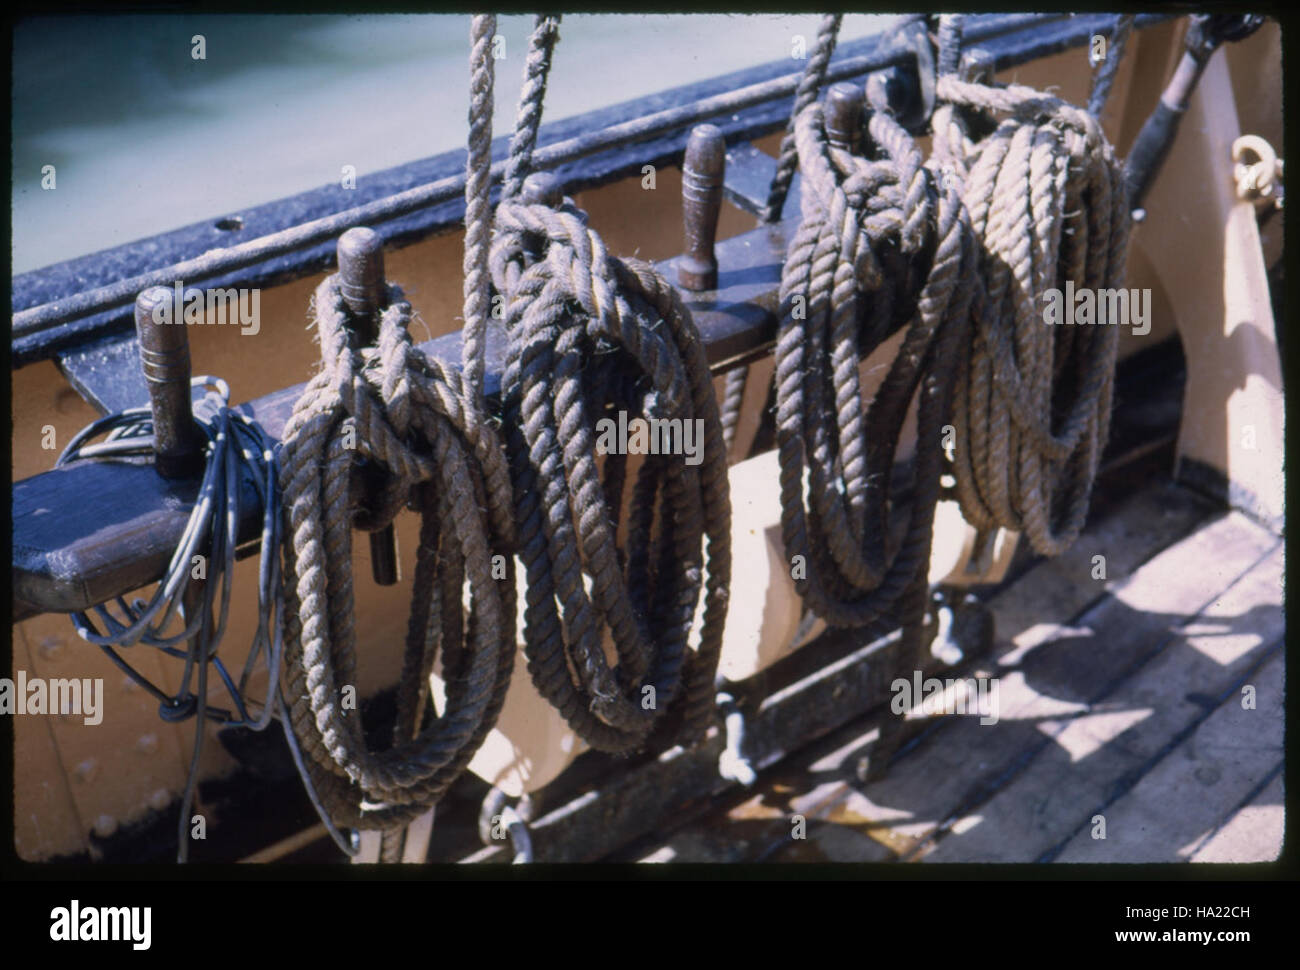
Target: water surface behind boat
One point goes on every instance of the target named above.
(145, 138)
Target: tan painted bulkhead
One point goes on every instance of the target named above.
(73, 778)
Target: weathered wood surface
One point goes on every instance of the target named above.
(1120, 698)
(601, 822)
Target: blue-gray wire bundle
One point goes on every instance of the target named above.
(237, 450)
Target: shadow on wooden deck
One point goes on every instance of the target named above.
(1146, 725)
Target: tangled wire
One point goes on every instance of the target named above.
(237, 452)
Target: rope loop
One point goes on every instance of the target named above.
(883, 241)
(593, 338)
(415, 417)
(1047, 203)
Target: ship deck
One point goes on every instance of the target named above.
(1152, 700)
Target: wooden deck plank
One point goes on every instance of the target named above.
(953, 771)
(1252, 834)
(1168, 813)
(1139, 527)
(1056, 590)
(1102, 752)
(762, 827)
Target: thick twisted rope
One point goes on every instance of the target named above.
(814, 76)
(1046, 201)
(589, 336)
(1104, 77)
(532, 98)
(424, 423)
(810, 84)
(416, 418)
(881, 242)
(478, 184)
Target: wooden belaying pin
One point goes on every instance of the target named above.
(976, 66)
(843, 116)
(361, 283)
(361, 280)
(165, 359)
(703, 170)
(543, 188)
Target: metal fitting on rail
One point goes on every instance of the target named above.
(732, 763)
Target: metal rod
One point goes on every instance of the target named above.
(165, 359)
(218, 261)
(361, 282)
(703, 169)
(1205, 34)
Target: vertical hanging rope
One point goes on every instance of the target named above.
(881, 242)
(1046, 200)
(423, 422)
(532, 98)
(814, 76)
(478, 185)
(589, 336)
(951, 28)
(810, 84)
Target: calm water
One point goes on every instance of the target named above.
(145, 138)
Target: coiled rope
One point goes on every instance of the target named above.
(882, 241)
(590, 335)
(426, 424)
(237, 450)
(1032, 404)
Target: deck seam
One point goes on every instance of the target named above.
(1019, 765)
(1130, 780)
(1244, 803)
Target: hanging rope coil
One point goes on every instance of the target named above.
(426, 424)
(882, 241)
(1032, 405)
(416, 418)
(589, 336)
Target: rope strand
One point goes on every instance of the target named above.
(589, 336)
(814, 76)
(532, 98)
